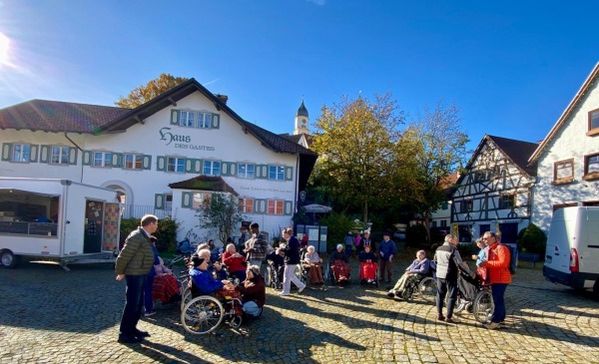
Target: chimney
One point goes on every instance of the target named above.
(222, 98)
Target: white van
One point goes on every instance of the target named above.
(572, 254)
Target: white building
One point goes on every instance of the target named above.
(568, 157)
(494, 194)
(441, 218)
(183, 134)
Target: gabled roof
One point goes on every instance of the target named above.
(517, 151)
(58, 116)
(204, 183)
(54, 116)
(590, 80)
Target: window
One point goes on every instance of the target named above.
(507, 201)
(59, 155)
(102, 159)
(466, 206)
(246, 205)
(205, 120)
(276, 173)
(246, 170)
(201, 199)
(443, 223)
(444, 205)
(593, 122)
(21, 153)
(591, 167)
(133, 161)
(186, 118)
(563, 171)
(212, 168)
(168, 201)
(175, 164)
(276, 207)
(434, 224)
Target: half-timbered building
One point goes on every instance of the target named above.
(494, 193)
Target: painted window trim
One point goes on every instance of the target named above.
(197, 115)
(205, 163)
(277, 172)
(563, 180)
(136, 157)
(166, 163)
(590, 130)
(103, 164)
(593, 176)
(246, 164)
(11, 152)
(71, 151)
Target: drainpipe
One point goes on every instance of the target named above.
(80, 149)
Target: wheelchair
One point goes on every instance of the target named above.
(203, 314)
(474, 297)
(425, 287)
(274, 276)
(330, 275)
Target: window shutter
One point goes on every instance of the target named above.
(232, 168)
(72, 155)
(225, 168)
(187, 200)
(33, 153)
(6, 150)
(115, 160)
(189, 165)
(87, 156)
(288, 207)
(174, 117)
(161, 163)
(261, 171)
(44, 154)
(197, 165)
(159, 201)
(289, 173)
(215, 121)
(147, 162)
(257, 206)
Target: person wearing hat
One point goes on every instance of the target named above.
(387, 251)
(253, 292)
(203, 279)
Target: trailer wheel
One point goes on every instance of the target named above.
(8, 259)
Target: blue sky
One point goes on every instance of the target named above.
(511, 67)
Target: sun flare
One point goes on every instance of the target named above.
(4, 47)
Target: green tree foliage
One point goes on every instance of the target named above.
(338, 225)
(166, 234)
(144, 93)
(532, 240)
(221, 213)
(355, 142)
(416, 236)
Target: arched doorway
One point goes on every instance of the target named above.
(124, 193)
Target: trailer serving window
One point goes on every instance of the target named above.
(28, 213)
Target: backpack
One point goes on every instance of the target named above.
(513, 258)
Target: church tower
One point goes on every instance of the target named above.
(301, 120)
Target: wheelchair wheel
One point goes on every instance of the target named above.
(202, 315)
(268, 281)
(483, 306)
(185, 297)
(428, 289)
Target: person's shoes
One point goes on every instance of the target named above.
(142, 334)
(150, 313)
(450, 320)
(301, 289)
(126, 339)
(493, 325)
(461, 306)
(391, 294)
(283, 293)
(441, 318)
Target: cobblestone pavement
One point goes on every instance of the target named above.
(48, 315)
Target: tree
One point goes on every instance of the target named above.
(355, 141)
(428, 151)
(220, 212)
(144, 93)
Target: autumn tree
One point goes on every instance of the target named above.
(144, 93)
(355, 141)
(221, 213)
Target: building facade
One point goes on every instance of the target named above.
(494, 193)
(568, 157)
(184, 133)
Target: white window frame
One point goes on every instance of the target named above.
(135, 160)
(62, 157)
(245, 168)
(105, 160)
(186, 118)
(279, 172)
(177, 162)
(210, 168)
(275, 202)
(21, 154)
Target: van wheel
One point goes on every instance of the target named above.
(8, 259)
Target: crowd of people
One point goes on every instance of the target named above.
(235, 271)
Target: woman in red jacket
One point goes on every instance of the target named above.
(498, 274)
(235, 262)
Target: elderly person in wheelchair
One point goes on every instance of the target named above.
(313, 264)
(416, 271)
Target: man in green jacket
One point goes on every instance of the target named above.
(133, 264)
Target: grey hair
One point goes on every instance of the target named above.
(448, 238)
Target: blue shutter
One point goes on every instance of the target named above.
(45, 153)
(87, 158)
(33, 152)
(146, 161)
(187, 200)
(174, 117)
(159, 201)
(6, 151)
(161, 163)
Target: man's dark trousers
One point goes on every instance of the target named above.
(445, 286)
(134, 305)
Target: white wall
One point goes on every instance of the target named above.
(570, 142)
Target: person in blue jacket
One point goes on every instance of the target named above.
(387, 250)
(203, 279)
